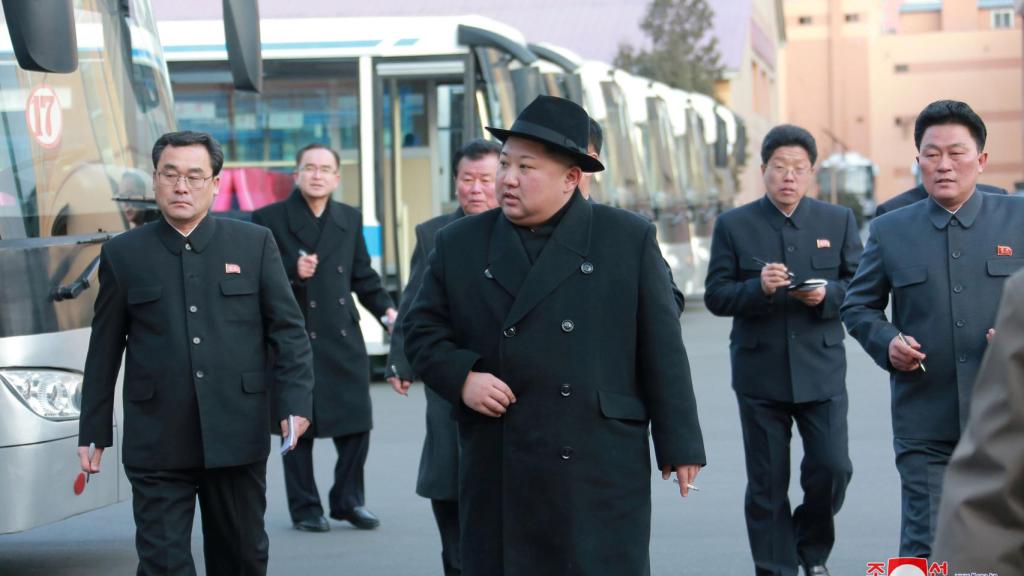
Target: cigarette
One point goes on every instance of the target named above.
(688, 485)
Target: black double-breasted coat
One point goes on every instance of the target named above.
(438, 477)
(194, 319)
(588, 338)
(341, 396)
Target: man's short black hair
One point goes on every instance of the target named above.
(950, 112)
(788, 135)
(475, 149)
(190, 138)
(317, 146)
(596, 138)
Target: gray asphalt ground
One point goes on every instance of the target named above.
(703, 534)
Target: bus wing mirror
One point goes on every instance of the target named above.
(43, 34)
(242, 34)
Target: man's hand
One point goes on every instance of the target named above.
(685, 475)
(903, 357)
(401, 386)
(990, 335)
(487, 394)
(306, 267)
(301, 425)
(809, 297)
(90, 465)
(391, 316)
(773, 277)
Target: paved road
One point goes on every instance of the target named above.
(703, 534)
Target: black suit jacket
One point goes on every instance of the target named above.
(194, 320)
(589, 340)
(438, 477)
(782, 349)
(341, 397)
(918, 193)
(946, 276)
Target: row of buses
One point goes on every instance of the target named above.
(82, 104)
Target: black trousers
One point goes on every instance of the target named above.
(781, 539)
(232, 502)
(922, 466)
(347, 492)
(446, 513)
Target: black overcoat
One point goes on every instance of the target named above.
(438, 477)
(588, 338)
(341, 396)
(782, 349)
(945, 275)
(194, 321)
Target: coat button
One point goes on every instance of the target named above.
(188, 246)
(341, 301)
(193, 309)
(790, 248)
(568, 326)
(487, 274)
(960, 323)
(958, 289)
(312, 335)
(197, 340)
(954, 222)
(341, 269)
(344, 333)
(199, 374)
(509, 332)
(312, 303)
(956, 253)
(963, 358)
(566, 390)
(587, 268)
(566, 452)
(792, 335)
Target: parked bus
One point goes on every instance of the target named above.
(81, 108)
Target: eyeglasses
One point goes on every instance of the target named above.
(311, 169)
(171, 179)
(782, 171)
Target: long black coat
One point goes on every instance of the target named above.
(946, 276)
(782, 349)
(438, 477)
(194, 320)
(589, 340)
(341, 397)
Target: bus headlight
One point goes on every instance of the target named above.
(52, 394)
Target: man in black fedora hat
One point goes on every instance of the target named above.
(550, 326)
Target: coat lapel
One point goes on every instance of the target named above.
(561, 257)
(300, 221)
(507, 262)
(333, 234)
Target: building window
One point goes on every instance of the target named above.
(805, 20)
(1002, 18)
(852, 17)
(901, 68)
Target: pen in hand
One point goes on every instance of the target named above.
(904, 340)
(763, 263)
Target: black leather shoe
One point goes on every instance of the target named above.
(817, 570)
(314, 524)
(359, 517)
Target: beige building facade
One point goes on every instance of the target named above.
(860, 71)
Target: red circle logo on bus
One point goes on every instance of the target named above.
(44, 116)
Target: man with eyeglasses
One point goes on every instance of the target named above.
(325, 257)
(193, 303)
(780, 266)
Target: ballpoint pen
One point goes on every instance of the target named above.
(904, 340)
(763, 263)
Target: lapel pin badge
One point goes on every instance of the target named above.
(1004, 250)
(232, 268)
(824, 243)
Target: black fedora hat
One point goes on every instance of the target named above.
(557, 122)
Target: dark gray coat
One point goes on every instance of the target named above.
(918, 193)
(438, 477)
(946, 276)
(341, 397)
(782, 349)
(194, 324)
(588, 338)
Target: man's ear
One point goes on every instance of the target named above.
(572, 178)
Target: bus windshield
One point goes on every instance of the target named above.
(75, 148)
